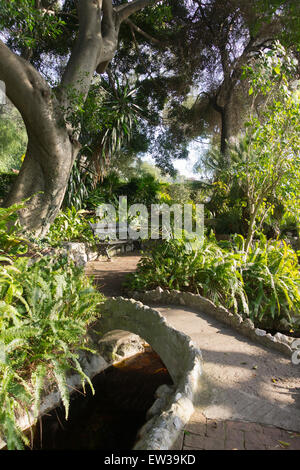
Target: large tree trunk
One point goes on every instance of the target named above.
(43, 178)
(52, 143)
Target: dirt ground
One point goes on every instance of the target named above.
(109, 275)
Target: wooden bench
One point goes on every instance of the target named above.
(107, 234)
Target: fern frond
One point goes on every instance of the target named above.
(60, 375)
(38, 379)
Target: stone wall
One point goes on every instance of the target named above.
(82, 253)
(174, 405)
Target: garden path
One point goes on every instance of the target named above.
(250, 397)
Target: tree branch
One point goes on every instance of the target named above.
(143, 33)
(124, 11)
(21, 80)
(84, 57)
(97, 41)
(108, 22)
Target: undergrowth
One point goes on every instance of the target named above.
(45, 309)
(263, 284)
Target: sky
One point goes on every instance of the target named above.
(186, 167)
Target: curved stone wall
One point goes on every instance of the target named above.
(174, 406)
(280, 342)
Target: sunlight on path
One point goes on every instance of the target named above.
(250, 396)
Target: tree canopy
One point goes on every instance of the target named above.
(184, 59)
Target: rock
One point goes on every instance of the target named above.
(118, 344)
(156, 408)
(76, 251)
(163, 390)
(284, 339)
(91, 255)
(271, 338)
(259, 332)
(247, 323)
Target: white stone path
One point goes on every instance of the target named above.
(242, 380)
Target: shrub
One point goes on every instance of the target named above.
(263, 283)
(70, 225)
(209, 271)
(45, 308)
(272, 283)
(44, 312)
(143, 190)
(6, 181)
(11, 242)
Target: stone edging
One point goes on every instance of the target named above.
(279, 341)
(174, 405)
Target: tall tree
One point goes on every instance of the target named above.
(195, 63)
(31, 29)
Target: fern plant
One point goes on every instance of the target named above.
(45, 309)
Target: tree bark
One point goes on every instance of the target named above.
(226, 130)
(43, 179)
(226, 124)
(52, 142)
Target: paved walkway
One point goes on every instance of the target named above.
(250, 397)
(202, 433)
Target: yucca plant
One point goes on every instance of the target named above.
(109, 121)
(79, 185)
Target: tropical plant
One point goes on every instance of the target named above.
(261, 182)
(70, 225)
(141, 190)
(45, 309)
(79, 186)
(108, 123)
(176, 264)
(272, 284)
(268, 162)
(263, 284)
